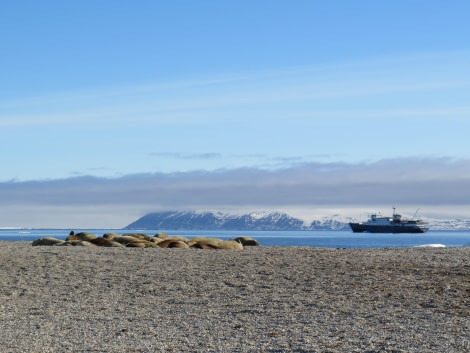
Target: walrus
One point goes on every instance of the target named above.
(125, 239)
(72, 242)
(110, 235)
(167, 243)
(178, 244)
(85, 236)
(201, 246)
(114, 244)
(161, 235)
(218, 243)
(140, 236)
(246, 241)
(136, 245)
(85, 243)
(73, 237)
(47, 241)
(213, 242)
(100, 241)
(230, 245)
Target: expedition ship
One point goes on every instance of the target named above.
(380, 224)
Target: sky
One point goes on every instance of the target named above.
(113, 109)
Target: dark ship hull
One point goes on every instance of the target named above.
(393, 228)
(380, 224)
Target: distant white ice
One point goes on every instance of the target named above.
(430, 246)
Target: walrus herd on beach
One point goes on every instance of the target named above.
(141, 240)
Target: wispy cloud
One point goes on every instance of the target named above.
(262, 161)
(172, 155)
(211, 96)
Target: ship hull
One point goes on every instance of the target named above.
(399, 228)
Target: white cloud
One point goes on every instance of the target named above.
(402, 182)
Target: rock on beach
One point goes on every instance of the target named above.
(261, 299)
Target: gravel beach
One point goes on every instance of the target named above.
(259, 299)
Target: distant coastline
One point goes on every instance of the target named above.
(275, 221)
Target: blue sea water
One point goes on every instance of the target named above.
(327, 239)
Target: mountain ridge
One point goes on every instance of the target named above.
(206, 220)
(192, 220)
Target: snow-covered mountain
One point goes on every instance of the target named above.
(192, 220)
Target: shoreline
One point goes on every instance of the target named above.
(327, 239)
(259, 299)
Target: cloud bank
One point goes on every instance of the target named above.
(116, 202)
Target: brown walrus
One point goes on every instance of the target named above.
(110, 235)
(47, 241)
(100, 241)
(140, 236)
(171, 243)
(84, 236)
(246, 241)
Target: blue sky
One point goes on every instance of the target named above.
(104, 94)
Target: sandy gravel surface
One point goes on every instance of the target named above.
(260, 299)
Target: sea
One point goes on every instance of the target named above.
(323, 239)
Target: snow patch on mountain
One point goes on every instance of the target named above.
(447, 224)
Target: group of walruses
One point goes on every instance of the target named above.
(140, 240)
